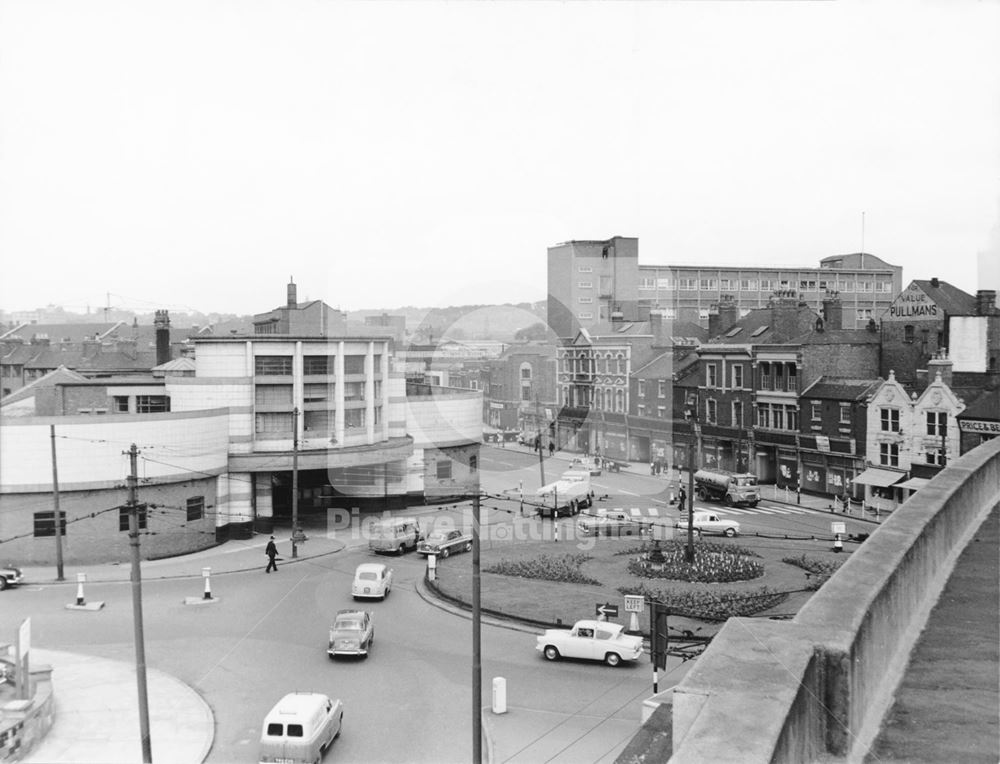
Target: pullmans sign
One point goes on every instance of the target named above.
(912, 304)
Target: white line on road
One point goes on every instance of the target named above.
(628, 493)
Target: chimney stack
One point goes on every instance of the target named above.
(785, 306)
(292, 296)
(656, 322)
(940, 364)
(161, 322)
(729, 313)
(833, 310)
(986, 302)
(935, 282)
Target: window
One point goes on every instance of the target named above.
(317, 392)
(935, 456)
(195, 508)
(318, 423)
(792, 418)
(354, 364)
(152, 404)
(764, 417)
(642, 388)
(845, 413)
(661, 388)
(319, 364)
(354, 391)
(727, 284)
(711, 375)
(121, 404)
(640, 410)
(526, 392)
(778, 418)
(889, 419)
(272, 364)
(586, 300)
(123, 513)
(45, 524)
(294, 730)
(748, 285)
(585, 269)
(687, 285)
(585, 316)
(711, 411)
(937, 422)
(647, 282)
(619, 401)
(354, 419)
(273, 424)
(888, 454)
(377, 415)
(585, 285)
(766, 285)
(444, 469)
(737, 413)
(738, 376)
(816, 412)
(525, 371)
(908, 334)
(274, 395)
(708, 284)
(661, 412)
(667, 284)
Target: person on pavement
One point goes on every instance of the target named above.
(271, 551)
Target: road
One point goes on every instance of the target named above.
(410, 701)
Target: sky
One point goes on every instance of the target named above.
(195, 155)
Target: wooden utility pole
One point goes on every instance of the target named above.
(477, 668)
(56, 513)
(295, 481)
(140, 649)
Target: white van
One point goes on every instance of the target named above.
(395, 535)
(300, 728)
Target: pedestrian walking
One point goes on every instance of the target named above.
(271, 551)
(682, 497)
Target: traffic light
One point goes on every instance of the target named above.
(658, 638)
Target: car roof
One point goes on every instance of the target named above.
(357, 613)
(371, 566)
(296, 704)
(606, 625)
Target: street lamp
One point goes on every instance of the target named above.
(691, 414)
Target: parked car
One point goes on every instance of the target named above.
(396, 534)
(593, 466)
(10, 576)
(352, 633)
(300, 728)
(591, 640)
(613, 522)
(372, 580)
(443, 543)
(709, 522)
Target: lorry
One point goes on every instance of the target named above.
(565, 496)
(728, 487)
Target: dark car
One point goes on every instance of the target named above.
(443, 543)
(352, 633)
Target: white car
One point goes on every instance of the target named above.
(709, 522)
(10, 576)
(613, 522)
(591, 640)
(372, 580)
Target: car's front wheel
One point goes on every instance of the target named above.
(612, 659)
(468, 546)
(445, 552)
(730, 532)
(3, 583)
(551, 653)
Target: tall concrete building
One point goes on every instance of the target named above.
(593, 282)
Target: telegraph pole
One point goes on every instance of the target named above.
(692, 462)
(477, 668)
(541, 462)
(140, 649)
(295, 481)
(55, 502)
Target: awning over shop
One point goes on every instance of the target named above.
(879, 478)
(914, 483)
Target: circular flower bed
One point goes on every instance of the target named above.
(713, 563)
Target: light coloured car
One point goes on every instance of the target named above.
(613, 522)
(443, 543)
(10, 576)
(590, 640)
(709, 522)
(593, 466)
(372, 580)
(352, 633)
(300, 728)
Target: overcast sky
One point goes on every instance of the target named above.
(194, 155)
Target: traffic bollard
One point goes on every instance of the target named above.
(80, 579)
(207, 572)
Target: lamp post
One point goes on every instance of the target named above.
(694, 456)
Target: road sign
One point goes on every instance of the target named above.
(838, 528)
(607, 610)
(634, 603)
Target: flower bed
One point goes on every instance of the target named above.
(819, 570)
(711, 606)
(564, 568)
(713, 563)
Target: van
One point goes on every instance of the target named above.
(300, 728)
(395, 535)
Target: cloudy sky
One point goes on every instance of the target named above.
(194, 155)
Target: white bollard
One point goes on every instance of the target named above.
(633, 622)
(499, 695)
(206, 572)
(80, 579)
(432, 567)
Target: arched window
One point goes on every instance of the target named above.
(619, 401)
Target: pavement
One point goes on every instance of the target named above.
(89, 691)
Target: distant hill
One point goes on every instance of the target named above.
(463, 322)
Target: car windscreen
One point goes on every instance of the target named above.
(368, 575)
(347, 626)
(745, 482)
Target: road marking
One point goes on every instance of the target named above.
(661, 501)
(629, 493)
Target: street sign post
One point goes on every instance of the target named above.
(607, 610)
(634, 604)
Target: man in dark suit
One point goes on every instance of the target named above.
(271, 551)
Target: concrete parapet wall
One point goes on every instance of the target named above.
(820, 685)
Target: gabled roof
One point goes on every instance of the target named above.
(74, 333)
(841, 389)
(57, 376)
(953, 300)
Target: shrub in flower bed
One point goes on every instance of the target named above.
(564, 568)
(700, 546)
(820, 570)
(711, 606)
(713, 564)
